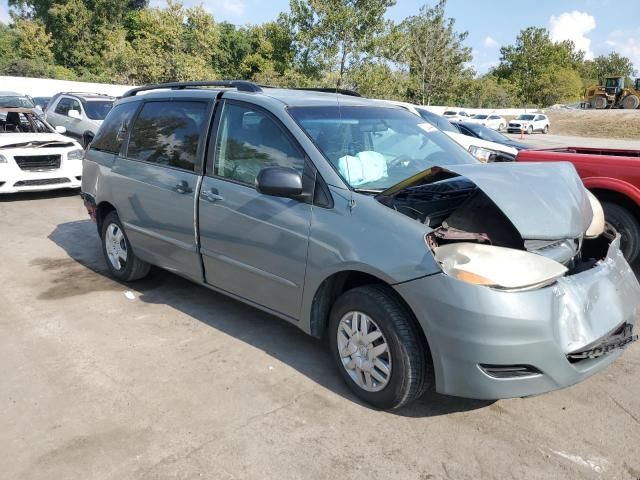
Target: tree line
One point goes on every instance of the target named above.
(322, 43)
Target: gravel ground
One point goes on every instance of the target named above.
(163, 379)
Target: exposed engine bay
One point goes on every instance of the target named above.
(459, 211)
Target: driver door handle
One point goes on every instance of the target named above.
(183, 187)
(212, 196)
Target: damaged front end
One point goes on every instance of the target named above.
(514, 229)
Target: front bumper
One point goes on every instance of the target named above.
(468, 326)
(13, 179)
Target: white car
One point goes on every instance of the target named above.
(483, 150)
(529, 123)
(34, 156)
(493, 121)
(456, 115)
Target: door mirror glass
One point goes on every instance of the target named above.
(279, 182)
(74, 114)
(61, 129)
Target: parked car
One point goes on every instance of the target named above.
(613, 176)
(359, 221)
(80, 113)
(41, 102)
(496, 122)
(529, 123)
(479, 131)
(456, 115)
(34, 156)
(483, 149)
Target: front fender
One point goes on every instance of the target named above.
(613, 184)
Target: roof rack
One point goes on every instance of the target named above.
(241, 85)
(93, 94)
(341, 91)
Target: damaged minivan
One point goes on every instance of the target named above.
(359, 222)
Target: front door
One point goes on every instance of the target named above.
(253, 245)
(155, 179)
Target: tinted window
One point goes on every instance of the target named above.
(168, 133)
(63, 106)
(114, 129)
(248, 141)
(15, 102)
(98, 109)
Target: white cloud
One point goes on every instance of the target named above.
(490, 42)
(573, 26)
(626, 43)
(4, 14)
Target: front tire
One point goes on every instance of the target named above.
(530, 130)
(545, 130)
(378, 347)
(627, 226)
(121, 261)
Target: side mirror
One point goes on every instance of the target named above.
(74, 114)
(279, 182)
(60, 129)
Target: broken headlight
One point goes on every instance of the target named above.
(498, 267)
(76, 154)
(482, 154)
(597, 221)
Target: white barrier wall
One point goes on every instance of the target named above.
(43, 87)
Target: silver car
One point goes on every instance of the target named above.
(358, 221)
(80, 113)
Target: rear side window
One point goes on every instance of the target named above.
(114, 129)
(168, 133)
(249, 140)
(63, 107)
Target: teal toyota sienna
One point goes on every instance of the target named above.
(357, 221)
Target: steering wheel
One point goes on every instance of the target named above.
(398, 160)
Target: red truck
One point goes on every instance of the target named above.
(613, 176)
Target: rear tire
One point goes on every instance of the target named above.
(627, 226)
(630, 102)
(501, 127)
(402, 372)
(545, 130)
(121, 261)
(599, 103)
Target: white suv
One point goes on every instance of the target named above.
(529, 123)
(456, 115)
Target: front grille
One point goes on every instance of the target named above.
(509, 371)
(43, 181)
(619, 338)
(38, 162)
(514, 125)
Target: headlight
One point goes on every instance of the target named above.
(498, 267)
(3, 159)
(597, 222)
(482, 154)
(77, 154)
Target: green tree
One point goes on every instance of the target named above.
(559, 85)
(533, 55)
(612, 65)
(336, 34)
(435, 53)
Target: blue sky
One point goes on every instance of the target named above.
(597, 26)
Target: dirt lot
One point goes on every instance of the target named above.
(596, 123)
(167, 380)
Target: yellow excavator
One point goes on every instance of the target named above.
(613, 94)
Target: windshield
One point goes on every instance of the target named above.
(97, 109)
(15, 102)
(525, 117)
(22, 122)
(479, 117)
(437, 121)
(486, 133)
(450, 112)
(373, 148)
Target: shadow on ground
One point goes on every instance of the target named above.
(85, 271)
(29, 196)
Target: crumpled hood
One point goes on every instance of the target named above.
(14, 138)
(544, 201)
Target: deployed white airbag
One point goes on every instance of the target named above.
(363, 168)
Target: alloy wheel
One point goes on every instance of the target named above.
(116, 246)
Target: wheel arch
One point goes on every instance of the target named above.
(103, 209)
(616, 191)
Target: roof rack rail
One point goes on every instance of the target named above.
(241, 85)
(341, 91)
(96, 94)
